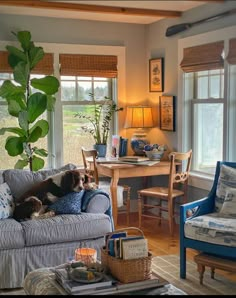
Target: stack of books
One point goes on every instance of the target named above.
(81, 288)
(125, 247)
(107, 286)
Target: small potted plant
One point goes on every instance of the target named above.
(99, 122)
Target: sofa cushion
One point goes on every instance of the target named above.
(65, 227)
(229, 205)
(68, 204)
(21, 181)
(11, 234)
(212, 228)
(6, 201)
(227, 179)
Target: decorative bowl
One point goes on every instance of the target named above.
(154, 154)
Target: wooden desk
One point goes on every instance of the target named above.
(116, 171)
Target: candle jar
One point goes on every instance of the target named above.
(86, 255)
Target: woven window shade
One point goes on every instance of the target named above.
(203, 57)
(45, 66)
(88, 65)
(231, 58)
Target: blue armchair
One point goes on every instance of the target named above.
(202, 207)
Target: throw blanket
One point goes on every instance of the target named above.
(89, 194)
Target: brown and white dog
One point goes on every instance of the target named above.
(34, 202)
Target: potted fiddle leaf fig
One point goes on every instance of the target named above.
(26, 104)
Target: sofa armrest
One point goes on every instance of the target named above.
(98, 204)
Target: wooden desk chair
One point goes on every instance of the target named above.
(152, 197)
(91, 169)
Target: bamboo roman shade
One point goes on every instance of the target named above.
(45, 66)
(203, 57)
(231, 58)
(88, 65)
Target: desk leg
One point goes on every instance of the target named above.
(113, 187)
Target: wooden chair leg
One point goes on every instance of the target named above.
(171, 217)
(128, 206)
(139, 211)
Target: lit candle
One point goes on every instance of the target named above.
(86, 255)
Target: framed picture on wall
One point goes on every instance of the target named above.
(167, 112)
(156, 82)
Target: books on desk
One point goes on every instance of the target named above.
(133, 158)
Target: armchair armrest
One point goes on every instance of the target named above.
(202, 206)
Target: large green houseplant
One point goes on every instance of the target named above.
(99, 120)
(24, 104)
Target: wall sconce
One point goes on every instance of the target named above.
(139, 117)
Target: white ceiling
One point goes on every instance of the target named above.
(157, 5)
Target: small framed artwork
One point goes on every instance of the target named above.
(156, 75)
(167, 112)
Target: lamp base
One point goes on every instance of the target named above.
(137, 143)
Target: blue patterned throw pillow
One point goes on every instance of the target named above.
(69, 204)
(227, 180)
(6, 201)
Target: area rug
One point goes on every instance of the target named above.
(168, 268)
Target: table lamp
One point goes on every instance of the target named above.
(139, 117)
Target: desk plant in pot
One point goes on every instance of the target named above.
(99, 122)
(27, 105)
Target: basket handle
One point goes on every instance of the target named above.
(122, 230)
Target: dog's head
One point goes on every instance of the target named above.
(73, 180)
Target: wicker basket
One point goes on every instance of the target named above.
(127, 270)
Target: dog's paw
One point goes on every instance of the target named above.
(90, 186)
(43, 215)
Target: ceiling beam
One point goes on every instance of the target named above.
(92, 8)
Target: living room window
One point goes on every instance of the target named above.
(81, 76)
(209, 103)
(207, 121)
(75, 96)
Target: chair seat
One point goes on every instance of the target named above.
(161, 192)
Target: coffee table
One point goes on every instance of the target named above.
(42, 282)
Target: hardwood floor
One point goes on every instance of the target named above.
(159, 240)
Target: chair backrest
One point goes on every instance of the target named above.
(90, 168)
(181, 174)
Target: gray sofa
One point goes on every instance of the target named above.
(32, 244)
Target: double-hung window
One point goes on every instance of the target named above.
(81, 76)
(209, 104)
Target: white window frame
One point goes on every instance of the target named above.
(55, 135)
(184, 109)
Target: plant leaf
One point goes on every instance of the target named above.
(21, 163)
(14, 145)
(23, 122)
(48, 84)
(17, 54)
(36, 105)
(37, 163)
(15, 130)
(35, 54)
(14, 108)
(35, 134)
(40, 152)
(21, 73)
(8, 90)
(43, 124)
(24, 38)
